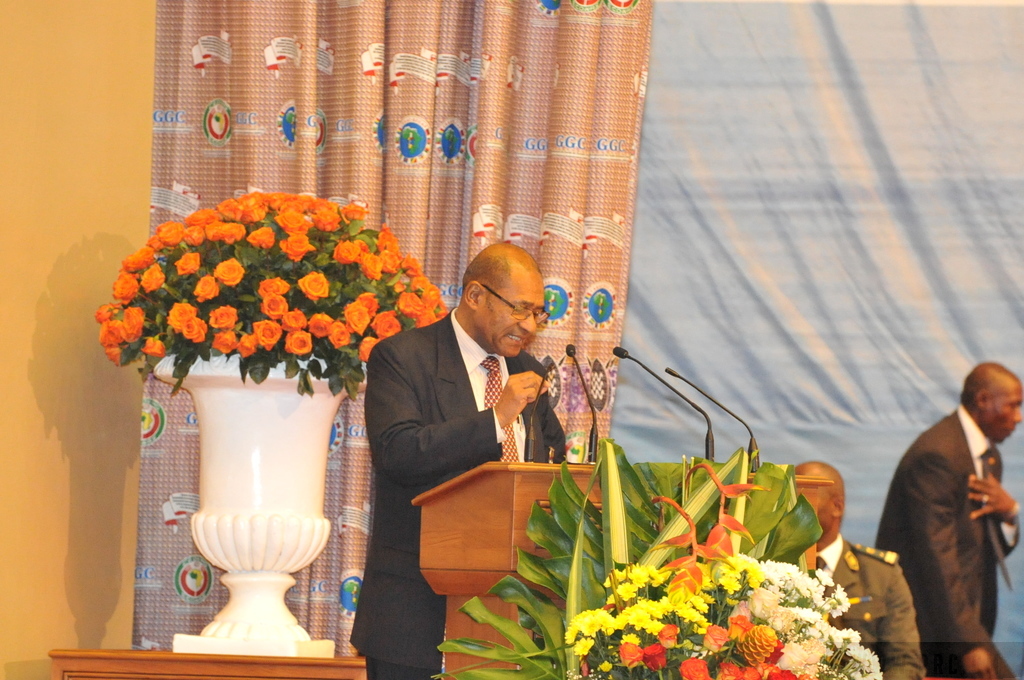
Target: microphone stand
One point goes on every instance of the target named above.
(709, 438)
(570, 351)
(752, 445)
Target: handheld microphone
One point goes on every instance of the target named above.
(570, 351)
(752, 446)
(709, 438)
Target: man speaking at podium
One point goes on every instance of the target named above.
(441, 400)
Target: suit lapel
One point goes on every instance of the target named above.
(452, 388)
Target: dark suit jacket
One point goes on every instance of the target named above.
(884, 616)
(424, 428)
(947, 557)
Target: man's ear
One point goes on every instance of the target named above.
(472, 294)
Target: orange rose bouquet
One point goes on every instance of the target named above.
(277, 279)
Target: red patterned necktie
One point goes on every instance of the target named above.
(509, 453)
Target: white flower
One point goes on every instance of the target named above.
(763, 603)
(801, 658)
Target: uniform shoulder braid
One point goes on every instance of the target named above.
(887, 556)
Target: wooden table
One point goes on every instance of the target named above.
(96, 664)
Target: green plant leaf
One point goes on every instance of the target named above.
(543, 530)
(544, 613)
(796, 532)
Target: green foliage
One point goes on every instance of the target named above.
(585, 542)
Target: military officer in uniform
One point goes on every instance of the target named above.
(881, 607)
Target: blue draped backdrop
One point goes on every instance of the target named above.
(828, 234)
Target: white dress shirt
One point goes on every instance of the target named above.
(978, 444)
(473, 355)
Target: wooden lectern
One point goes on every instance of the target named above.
(470, 528)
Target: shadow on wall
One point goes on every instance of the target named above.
(85, 399)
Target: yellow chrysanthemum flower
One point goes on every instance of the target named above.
(605, 666)
(630, 637)
(582, 646)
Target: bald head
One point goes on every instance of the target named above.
(494, 265)
(992, 395)
(831, 499)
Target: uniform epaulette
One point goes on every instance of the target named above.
(887, 556)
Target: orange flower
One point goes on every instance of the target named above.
(371, 266)
(133, 320)
(694, 669)
(275, 286)
(229, 272)
(180, 313)
(154, 348)
(262, 238)
(631, 655)
(139, 260)
(228, 232)
(293, 222)
(369, 300)
(201, 218)
(411, 305)
(170, 233)
(366, 346)
(274, 306)
(739, 626)
(386, 324)
(195, 236)
(105, 313)
(267, 333)
(154, 243)
(206, 289)
(412, 266)
(426, 318)
(315, 285)
(194, 329)
(298, 342)
(294, 320)
(153, 278)
(254, 208)
(353, 211)
(224, 317)
(275, 200)
(387, 241)
(320, 325)
(347, 252)
(432, 297)
(111, 333)
(420, 283)
(669, 635)
(357, 317)
(187, 264)
(114, 354)
(230, 209)
(126, 287)
(296, 246)
(390, 262)
(715, 637)
(326, 219)
(339, 335)
(296, 203)
(225, 341)
(247, 345)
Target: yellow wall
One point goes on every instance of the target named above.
(75, 100)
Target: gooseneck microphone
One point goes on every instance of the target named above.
(529, 448)
(570, 351)
(752, 446)
(709, 439)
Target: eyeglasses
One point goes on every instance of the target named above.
(519, 311)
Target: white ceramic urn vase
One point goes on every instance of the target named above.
(262, 469)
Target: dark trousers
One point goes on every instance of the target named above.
(384, 670)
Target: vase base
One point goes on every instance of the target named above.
(196, 644)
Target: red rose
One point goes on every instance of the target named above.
(654, 657)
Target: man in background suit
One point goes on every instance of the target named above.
(881, 607)
(427, 422)
(950, 519)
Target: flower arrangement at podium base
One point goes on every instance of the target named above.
(264, 310)
(686, 572)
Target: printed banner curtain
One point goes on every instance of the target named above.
(459, 124)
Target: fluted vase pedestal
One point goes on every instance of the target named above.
(262, 469)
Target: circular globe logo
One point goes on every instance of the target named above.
(286, 123)
(411, 140)
(154, 420)
(193, 579)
